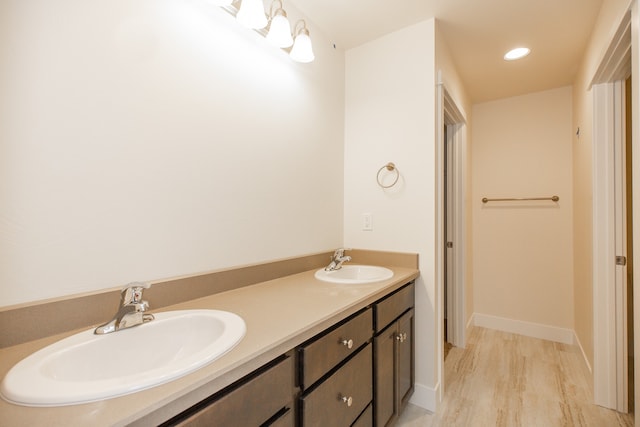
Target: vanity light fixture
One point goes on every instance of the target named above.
(251, 14)
(279, 33)
(517, 53)
(302, 51)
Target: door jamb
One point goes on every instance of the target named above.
(608, 94)
(448, 114)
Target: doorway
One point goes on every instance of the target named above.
(452, 225)
(450, 281)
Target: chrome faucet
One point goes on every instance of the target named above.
(337, 260)
(132, 310)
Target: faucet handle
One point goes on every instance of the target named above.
(340, 252)
(132, 292)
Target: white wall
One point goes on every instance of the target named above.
(455, 86)
(448, 77)
(152, 138)
(523, 251)
(390, 117)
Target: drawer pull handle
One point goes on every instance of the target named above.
(348, 344)
(347, 400)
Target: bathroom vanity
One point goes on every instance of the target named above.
(354, 372)
(314, 354)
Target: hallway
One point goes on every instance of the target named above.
(509, 380)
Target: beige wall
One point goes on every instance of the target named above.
(607, 23)
(523, 262)
(390, 117)
(149, 139)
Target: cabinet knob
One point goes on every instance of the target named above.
(348, 344)
(347, 400)
(401, 337)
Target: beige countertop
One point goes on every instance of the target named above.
(279, 314)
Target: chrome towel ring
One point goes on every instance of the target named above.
(391, 168)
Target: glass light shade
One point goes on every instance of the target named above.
(302, 51)
(251, 14)
(280, 31)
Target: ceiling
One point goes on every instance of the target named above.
(478, 33)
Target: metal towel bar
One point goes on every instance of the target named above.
(519, 199)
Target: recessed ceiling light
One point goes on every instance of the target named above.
(517, 53)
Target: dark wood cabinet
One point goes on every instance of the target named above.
(340, 399)
(389, 359)
(265, 398)
(335, 376)
(384, 376)
(356, 373)
(394, 355)
(406, 358)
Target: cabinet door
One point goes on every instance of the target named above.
(384, 376)
(405, 354)
(394, 369)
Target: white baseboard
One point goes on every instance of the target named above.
(470, 324)
(529, 329)
(584, 355)
(425, 397)
(535, 330)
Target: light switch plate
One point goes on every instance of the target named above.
(367, 222)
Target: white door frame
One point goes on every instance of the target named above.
(609, 320)
(635, 160)
(448, 114)
(609, 359)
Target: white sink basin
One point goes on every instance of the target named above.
(86, 367)
(355, 274)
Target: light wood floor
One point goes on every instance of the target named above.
(509, 380)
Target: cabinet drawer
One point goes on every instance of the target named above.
(320, 356)
(387, 310)
(327, 404)
(284, 420)
(250, 404)
(365, 419)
